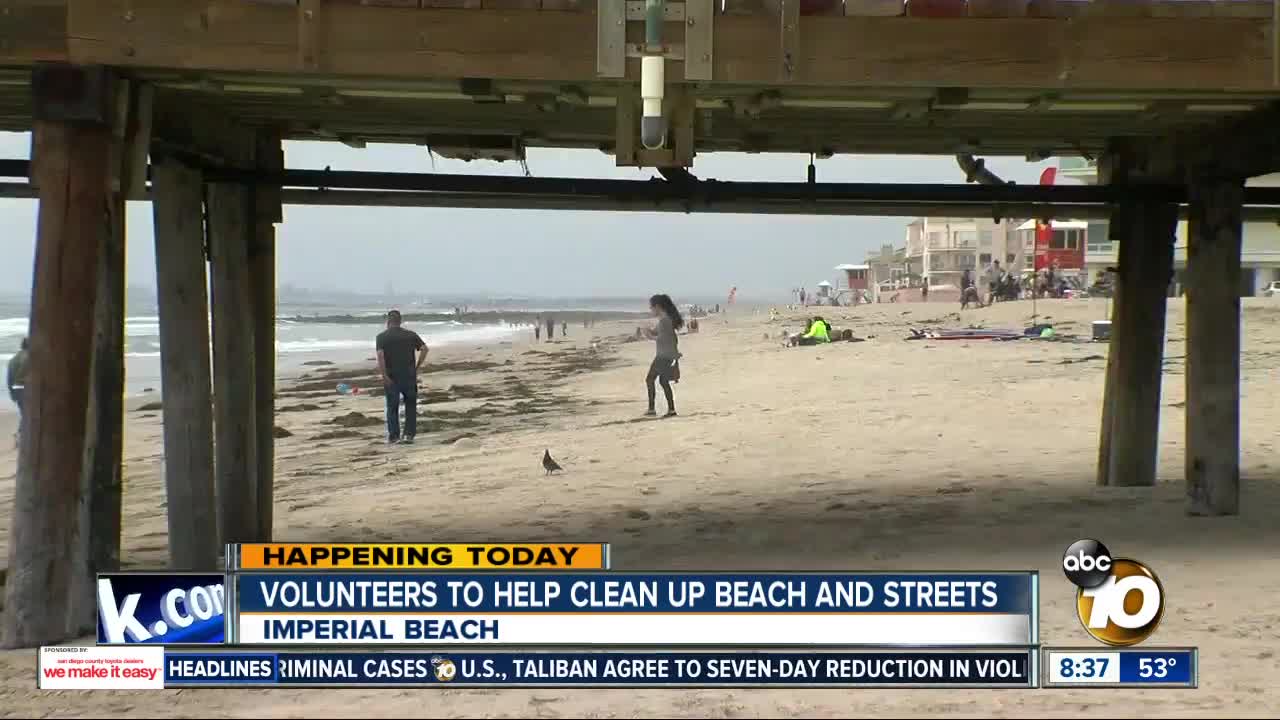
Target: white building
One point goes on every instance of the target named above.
(946, 247)
(1259, 257)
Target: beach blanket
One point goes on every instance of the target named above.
(977, 334)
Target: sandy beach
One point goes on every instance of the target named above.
(879, 455)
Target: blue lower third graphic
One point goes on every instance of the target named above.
(1009, 668)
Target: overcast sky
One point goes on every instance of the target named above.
(438, 252)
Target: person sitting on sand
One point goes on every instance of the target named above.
(970, 295)
(819, 332)
(665, 367)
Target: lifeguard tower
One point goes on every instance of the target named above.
(858, 279)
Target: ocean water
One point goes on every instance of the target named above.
(297, 341)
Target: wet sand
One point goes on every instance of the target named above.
(879, 455)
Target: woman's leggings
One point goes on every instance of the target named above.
(660, 370)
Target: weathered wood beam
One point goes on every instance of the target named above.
(71, 152)
(1213, 347)
(1243, 146)
(33, 31)
(262, 280)
(231, 227)
(102, 485)
(1095, 52)
(1132, 400)
(178, 203)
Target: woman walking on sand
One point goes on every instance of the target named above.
(665, 367)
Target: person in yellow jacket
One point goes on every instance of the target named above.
(819, 332)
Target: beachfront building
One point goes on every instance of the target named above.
(1259, 258)
(949, 246)
(890, 268)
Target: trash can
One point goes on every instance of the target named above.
(1101, 330)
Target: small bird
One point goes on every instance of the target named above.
(548, 464)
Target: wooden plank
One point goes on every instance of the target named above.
(1138, 340)
(262, 279)
(936, 8)
(1213, 348)
(875, 8)
(683, 127)
(512, 4)
(1118, 8)
(789, 41)
(177, 200)
(1098, 53)
(1056, 8)
(611, 39)
(626, 126)
(997, 8)
(71, 170)
(371, 3)
(234, 387)
(745, 7)
(698, 39)
(311, 18)
(33, 31)
(1246, 145)
(1243, 8)
(1184, 8)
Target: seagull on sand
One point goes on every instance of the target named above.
(548, 464)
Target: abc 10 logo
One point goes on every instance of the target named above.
(1119, 601)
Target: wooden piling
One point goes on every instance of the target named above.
(1213, 347)
(1109, 385)
(71, 161)
(178, 205)
(262, 279)
(234, 380)
(1146, 230)
(101, 503)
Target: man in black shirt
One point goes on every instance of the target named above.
(400, 353)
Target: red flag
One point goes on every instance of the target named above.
(1044, 231)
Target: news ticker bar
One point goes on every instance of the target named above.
(251, 557)
(141, 667)
(994, 609)
(144, 667)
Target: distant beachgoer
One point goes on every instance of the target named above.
(16, 378)
(564, 329)
(397, 347)
(551, 327)
(802, 297)
(665, 367)
(924, 291)
(537, 333)
(992, 274)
